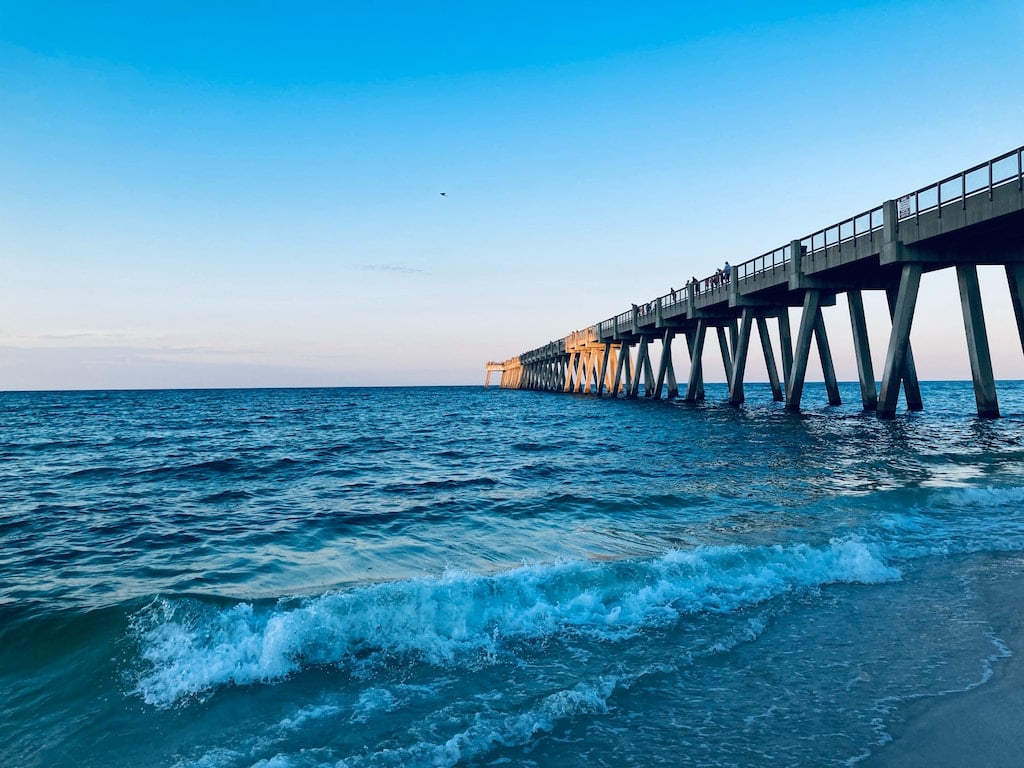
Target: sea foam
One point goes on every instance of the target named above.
(189, 648)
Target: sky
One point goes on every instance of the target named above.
(228, 194)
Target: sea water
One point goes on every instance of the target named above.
(460, 576)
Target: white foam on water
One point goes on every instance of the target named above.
(962, 520)
(486, 731)
(307, 715)
(278, 761)
(216, 758)
(372, 702)
(491, 729)
(189, 648)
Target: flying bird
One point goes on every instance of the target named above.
(444, 194)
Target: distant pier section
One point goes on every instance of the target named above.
(973, 218)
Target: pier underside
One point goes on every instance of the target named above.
(886, 249)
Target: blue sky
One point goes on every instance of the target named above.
(248, 194)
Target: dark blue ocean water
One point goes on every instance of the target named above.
(454, 576)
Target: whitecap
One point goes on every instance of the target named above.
(188, 648)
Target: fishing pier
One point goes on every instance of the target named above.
(970, 219)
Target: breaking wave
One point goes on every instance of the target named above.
(190, 648)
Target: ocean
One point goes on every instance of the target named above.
(459, 576)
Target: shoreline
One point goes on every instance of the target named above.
(983, 726)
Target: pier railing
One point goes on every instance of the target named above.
(985, 177)
(980, 179)
(867, 223)
(766, 262)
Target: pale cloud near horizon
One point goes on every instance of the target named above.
(395, 268)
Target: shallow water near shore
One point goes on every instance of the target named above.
(459, 576)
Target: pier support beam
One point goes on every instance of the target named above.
(643, 365)
(828, 370)
(862, 351)
(665, 368)
(977, 341)
(648, 372)
(1015, 279)
(786, 342)
(723, 344)
(897, 355)
(582, 372)
(606, 352)
(691, 340)
(695, 384)
(769, 359)
(739, 360)
(593, 369)
(795, 381)
(623, 377)
(911, 385)
(612, 364)
(570, 370)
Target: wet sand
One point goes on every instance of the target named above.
(980, 727)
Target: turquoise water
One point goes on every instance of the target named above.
(454, 576)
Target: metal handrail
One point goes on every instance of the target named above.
(960, 186)
(766, 262)
(847, 230)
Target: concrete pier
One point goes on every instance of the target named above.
(973, 218)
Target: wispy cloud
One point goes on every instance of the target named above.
(141, 346)
(74, 337)
(393, 268)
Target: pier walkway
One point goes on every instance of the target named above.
(973, 218)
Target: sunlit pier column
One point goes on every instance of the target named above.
(602, 376)
(624, 372)
(665, 368)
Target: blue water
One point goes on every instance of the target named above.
(454, 576)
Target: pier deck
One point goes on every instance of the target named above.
(973, 218)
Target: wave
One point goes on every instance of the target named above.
(956, 521)
(491, 728)
(190, 648)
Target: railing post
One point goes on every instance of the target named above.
(890, 222)
(796, 249)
